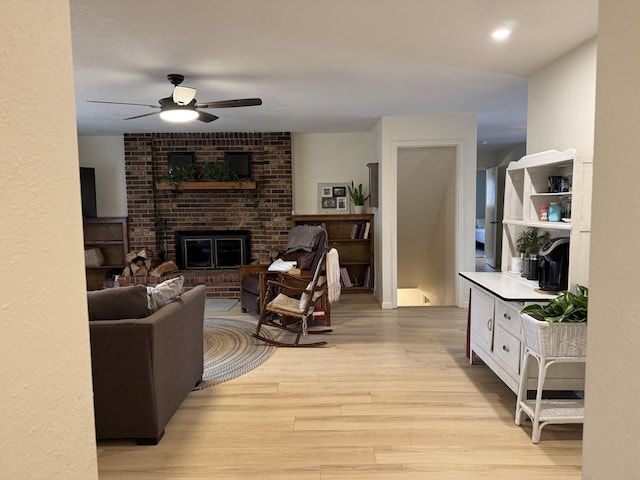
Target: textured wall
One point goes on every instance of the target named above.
(46, 397)
(612, 424)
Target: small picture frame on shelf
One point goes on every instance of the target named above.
(339, 192)
(332, 198)
(328, 202)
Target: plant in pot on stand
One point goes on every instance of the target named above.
(555, 332)
(357, 196)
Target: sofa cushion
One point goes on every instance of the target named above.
(164, 292)
(118, 303)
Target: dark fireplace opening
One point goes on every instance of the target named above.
(212, 249)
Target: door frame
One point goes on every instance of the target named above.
(459, 216)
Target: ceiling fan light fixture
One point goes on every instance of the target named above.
(183, 95)
(179, 115)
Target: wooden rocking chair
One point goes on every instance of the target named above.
(284, 310)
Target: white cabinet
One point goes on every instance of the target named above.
(496, 339)
(526, 190)
(495, 335)
(497, 297)
(482, 320)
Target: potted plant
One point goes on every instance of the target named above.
(357, 196)
(528, 244)
(558, 328)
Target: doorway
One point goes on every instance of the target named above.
(426, 226)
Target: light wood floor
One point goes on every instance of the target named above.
(392, 397)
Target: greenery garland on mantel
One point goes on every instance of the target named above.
(203, 176)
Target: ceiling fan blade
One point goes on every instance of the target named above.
(240, 102)
(125, 103)
(140, 116)
(206, 117)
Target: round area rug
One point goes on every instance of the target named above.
(230, 350)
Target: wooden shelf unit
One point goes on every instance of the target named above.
(356, 255)
(109, 234)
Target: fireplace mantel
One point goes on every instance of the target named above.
(206, 186)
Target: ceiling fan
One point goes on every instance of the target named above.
(182, 106)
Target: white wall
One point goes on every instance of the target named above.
(562, 103)
(438, 130)
(612, 424)
(106, 155)
(327, 158)
(562, 115)
(46, 397)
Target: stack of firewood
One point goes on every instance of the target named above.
(141, 264)
(138, 263)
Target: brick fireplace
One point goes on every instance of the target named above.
(155, 216)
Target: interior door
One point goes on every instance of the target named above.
(493, 225)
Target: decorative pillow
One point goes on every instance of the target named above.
(118, 303)
(304, 297)
(164, 292)
(93, 257)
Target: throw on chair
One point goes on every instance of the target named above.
(288, 305)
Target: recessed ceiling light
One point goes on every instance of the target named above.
(501, 34)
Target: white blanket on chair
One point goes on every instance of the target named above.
(333, 275)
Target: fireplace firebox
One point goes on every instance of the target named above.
(212, 249)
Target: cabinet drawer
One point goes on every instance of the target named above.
(506, 348)
(508, 317)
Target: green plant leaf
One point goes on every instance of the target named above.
(566, 307)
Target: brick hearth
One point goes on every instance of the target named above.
(265, 212)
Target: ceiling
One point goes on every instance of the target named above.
(321, 66)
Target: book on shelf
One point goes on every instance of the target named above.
(366, 231)
(354, 231)
(344, 275)
(318, 311)
(366, 282)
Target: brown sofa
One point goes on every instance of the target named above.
(143, 368)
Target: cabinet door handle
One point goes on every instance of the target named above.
(489, 324)
(505, 348)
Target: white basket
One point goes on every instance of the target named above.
(554, 339)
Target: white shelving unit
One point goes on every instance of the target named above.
(496, 336)
(526, 190)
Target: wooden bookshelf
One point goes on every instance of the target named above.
(109, 234)
(356, 254)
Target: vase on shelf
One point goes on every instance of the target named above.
(358, 209)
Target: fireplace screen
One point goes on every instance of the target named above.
(212, 249)
(198, 253)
